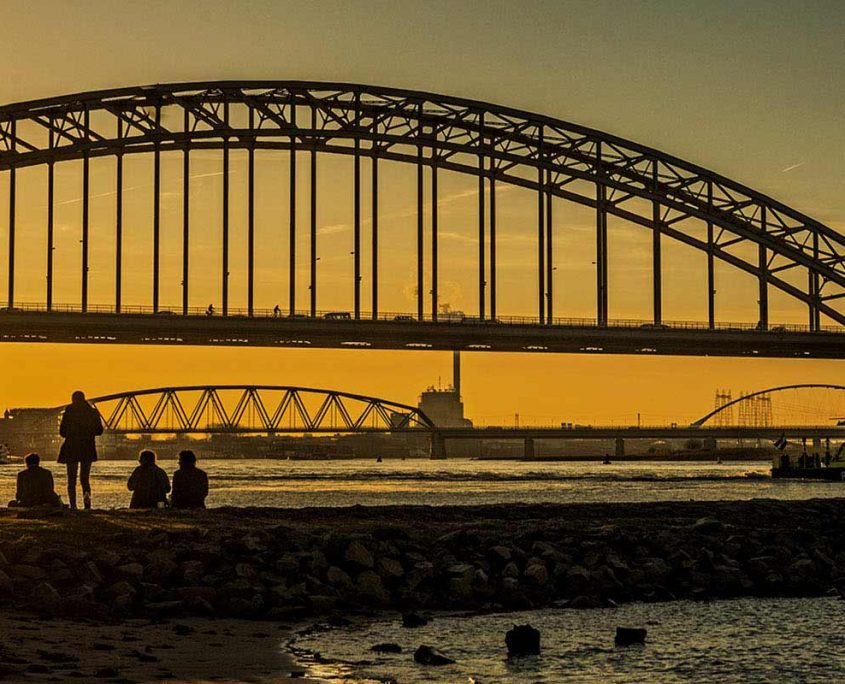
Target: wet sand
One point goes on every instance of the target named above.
(190, 650)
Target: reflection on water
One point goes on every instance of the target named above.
(743, 640)
(456, 481)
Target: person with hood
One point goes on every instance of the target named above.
(80, 425)
(148, 483)
(190, 484)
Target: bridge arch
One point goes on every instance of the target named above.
(727, 407)
(252, 409)
(745, 229)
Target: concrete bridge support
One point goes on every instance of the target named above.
(529, 448)
(438, 446)
(620, 447)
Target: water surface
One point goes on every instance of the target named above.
(742, 640)
(454, 481)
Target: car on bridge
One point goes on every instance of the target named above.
(337, 316)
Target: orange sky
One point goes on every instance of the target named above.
(709, 83)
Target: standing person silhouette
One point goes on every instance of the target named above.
(80, 425)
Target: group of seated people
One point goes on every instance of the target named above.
(148, 483)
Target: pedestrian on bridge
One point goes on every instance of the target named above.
(80, 425)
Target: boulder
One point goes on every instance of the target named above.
(460, 588)
(357, 554)
(500, 553)
(371, 588)
(28, 572)
(389, 568)
(6, 586)
(245, 570)
(89, 573)
(522, 640)
(578, 578)
(120, 589)
(198, 592)
(536, 572)
(322, 603)
(387, 648)
(581, 603)
(192, 571)
(627, 636)
(462, 570)
(411, 620)
(46, 599)
(706, 526)
(428, 655)
(130, 571)
(337, 577)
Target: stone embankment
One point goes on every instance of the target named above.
(288, 564)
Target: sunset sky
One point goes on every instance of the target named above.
(752, 90)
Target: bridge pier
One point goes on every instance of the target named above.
(620, 447)
(438, 446)
(529, 448)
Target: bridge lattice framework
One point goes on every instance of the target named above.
(252, 409)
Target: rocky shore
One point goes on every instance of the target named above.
(282, 564)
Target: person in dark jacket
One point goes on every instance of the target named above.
(190, 484)
(80, 425)
(35, 485)
(148, 483)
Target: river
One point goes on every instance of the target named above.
(298, 484)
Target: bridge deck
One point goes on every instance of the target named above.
(503, 335)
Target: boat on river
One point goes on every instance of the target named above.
(810, 466)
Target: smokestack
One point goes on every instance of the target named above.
(456, 372)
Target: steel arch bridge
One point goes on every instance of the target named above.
(727, 408)
(728, 222)
(253, 409)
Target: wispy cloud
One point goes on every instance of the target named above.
(334, 228)
(792, 167)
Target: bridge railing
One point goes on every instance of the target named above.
(445, 318)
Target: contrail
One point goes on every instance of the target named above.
(793, 167)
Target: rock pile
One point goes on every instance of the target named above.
(284, 571)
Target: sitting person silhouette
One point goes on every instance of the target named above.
(148, 483)
(190, 484)
(35, 486)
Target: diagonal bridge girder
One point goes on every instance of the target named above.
(203, 410)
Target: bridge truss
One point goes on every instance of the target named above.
(253, 409)
(780, 247)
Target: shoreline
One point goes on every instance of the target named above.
(292, 564)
